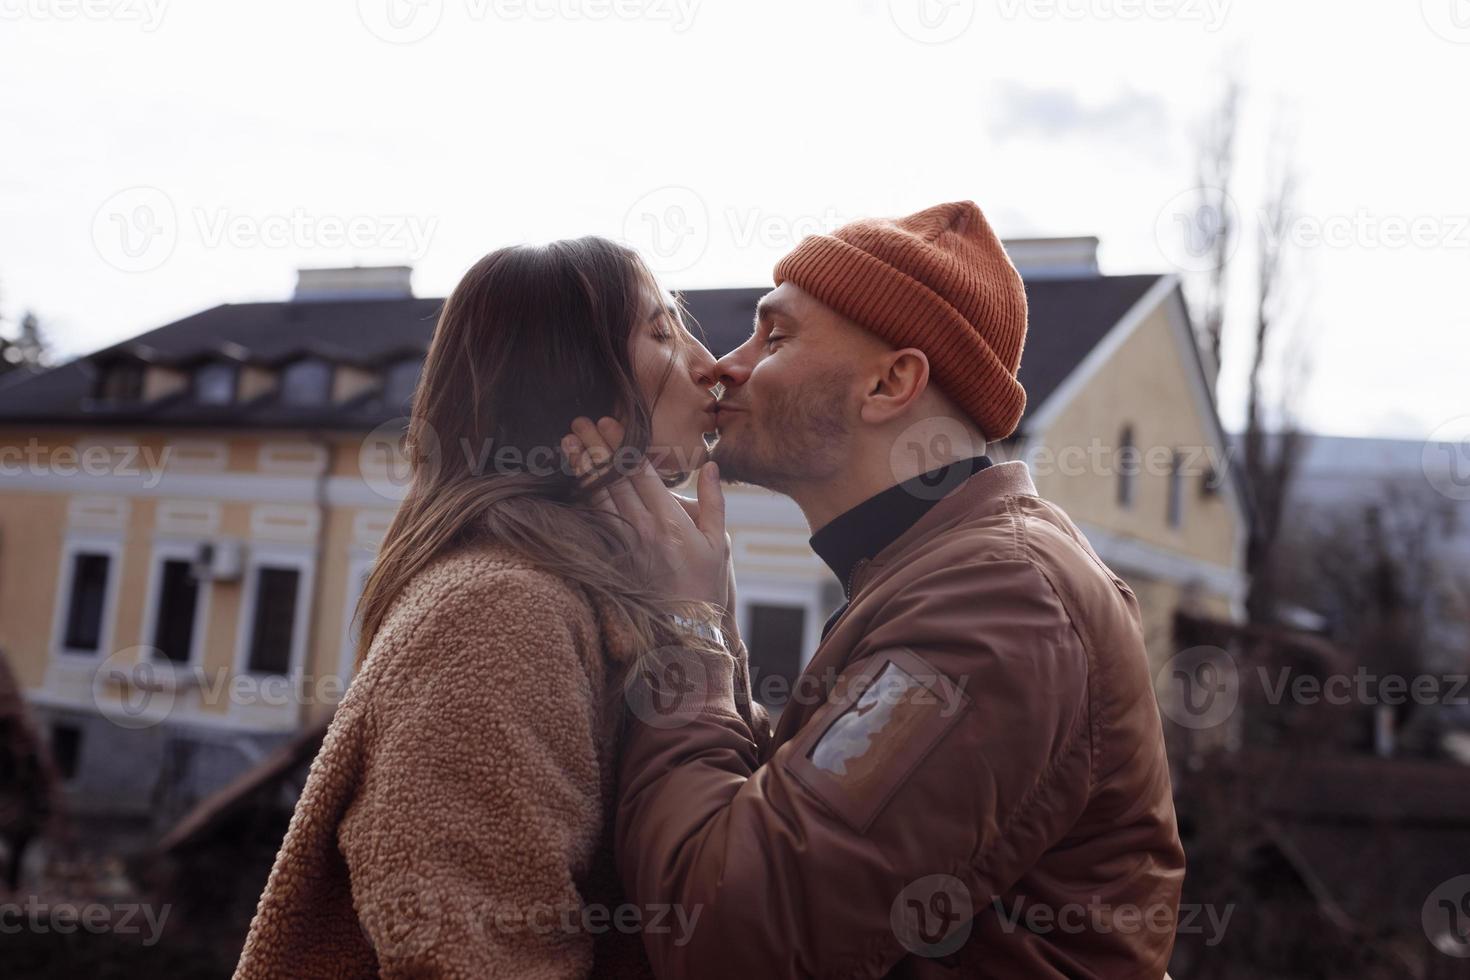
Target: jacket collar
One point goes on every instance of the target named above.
(990, 484)
(867, 528)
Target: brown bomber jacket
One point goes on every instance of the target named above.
(969, 781)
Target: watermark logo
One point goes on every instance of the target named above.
(928, 445)
(1099, 917)
(1446, 917)
(147, 14)
(667, 687)
(932, 21)
(135, 688)
(933, 915)
(756, 227)
(407, 919)
(129, 462)
(1190, 225)
(678, 13)
(592, 918)
(400, 21)
(65, 918)
(385, 458)
(1210, 13)
(136, 230)
(1198, 688)
(669, 227)
(1450, 19)
(408, 234)
(1446, 458)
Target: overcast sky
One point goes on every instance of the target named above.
(163, 157)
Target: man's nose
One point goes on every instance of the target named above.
(733, 370)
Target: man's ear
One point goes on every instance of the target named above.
(902, 375)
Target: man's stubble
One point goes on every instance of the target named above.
(795, 436)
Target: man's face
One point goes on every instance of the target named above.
(791, 393)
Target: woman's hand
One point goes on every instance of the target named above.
(682, 544)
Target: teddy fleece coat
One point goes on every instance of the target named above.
(456, 821)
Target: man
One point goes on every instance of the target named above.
(970, 777)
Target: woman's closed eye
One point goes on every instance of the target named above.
(662, 326)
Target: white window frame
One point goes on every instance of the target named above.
(275, 557)
(357, 569)
(173, 550)
(764, 589)
(74, 544)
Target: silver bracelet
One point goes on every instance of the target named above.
(702, 629)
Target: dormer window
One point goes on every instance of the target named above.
(306, 382)
(121, 382)
(214, 384)
(401, 380)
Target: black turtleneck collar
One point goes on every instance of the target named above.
(877, 522)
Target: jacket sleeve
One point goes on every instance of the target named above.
(954, 743)
(480, 792)
(757, 718)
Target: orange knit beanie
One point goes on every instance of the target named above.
(939, 280)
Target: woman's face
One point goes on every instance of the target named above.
(683, 409)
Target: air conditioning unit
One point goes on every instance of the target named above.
(219, 561)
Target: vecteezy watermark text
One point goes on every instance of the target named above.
(65, 918)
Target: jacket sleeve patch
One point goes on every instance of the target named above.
(861, 749)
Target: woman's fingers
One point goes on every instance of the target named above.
(711, 519)
(598, 450)
(581, 462)
(600, 443)
(684, 541)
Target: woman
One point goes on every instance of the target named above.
(455, 822)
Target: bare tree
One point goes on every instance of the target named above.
(1272, 443)
(1215, 216)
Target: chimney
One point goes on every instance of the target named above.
(1054, 258)
(356, 282)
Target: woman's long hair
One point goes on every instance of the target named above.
(531, 338)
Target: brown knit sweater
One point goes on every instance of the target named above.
(455, 823)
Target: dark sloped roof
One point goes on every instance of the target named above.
(359, 331)
(1068, 318)
(363, 332)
